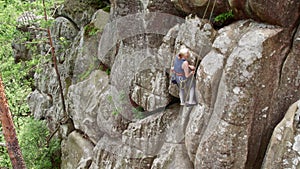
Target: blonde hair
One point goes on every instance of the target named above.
(183, 51)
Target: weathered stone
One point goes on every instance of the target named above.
(27, 19)
(141, 30)
(209, 73)
(79, 12)
(284, 146)
(283, 13)
(39, 104)
(150, 89)
(46, 82)
(121, 8)
(66, 128)
(197, 35)
(166, 52)
(100, 19)
(84, 105)
(290, 77)
(63, 32)
(195, 128)
(247, 77)
(288, 91)
(250, 74)
(149, 134)
(164, 6)
(80, 61)
(201, 7)
(123, 71)
(73, 149)
(28, 23)
(110, 118)
(176, 132)
(172, 156)
(112, 153)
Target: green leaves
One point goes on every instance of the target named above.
(33, 142)
(224, 16)
(18, 81)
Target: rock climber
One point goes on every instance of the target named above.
(184, 73)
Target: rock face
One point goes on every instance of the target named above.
(284, 147)
(75, 159)
(124, 113)
(250, 73)
(283, 13)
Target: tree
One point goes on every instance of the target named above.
(9, 132)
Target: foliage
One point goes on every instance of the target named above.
(18, 76)
(120, 99)
(105, 68)
(224, 16)
(36, 151)
(107, 8)
(91, 30)
(104, 5)
(138, 112)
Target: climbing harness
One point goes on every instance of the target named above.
(182, 83)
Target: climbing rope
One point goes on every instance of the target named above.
(197, 60)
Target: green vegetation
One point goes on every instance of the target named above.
(138, 112)
(38, 152)
(91, 30)
(105, 68)
(17, 76)
(223, 17)
(116, 110)
(106, 8)
(104, 5)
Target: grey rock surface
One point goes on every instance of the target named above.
(284, 147)
(247, 76)
(73, 149)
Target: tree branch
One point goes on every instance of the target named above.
(55, 62)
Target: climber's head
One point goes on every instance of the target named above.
(184, 53)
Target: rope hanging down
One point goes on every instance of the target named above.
(197, 60)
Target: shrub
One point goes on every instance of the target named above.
(38, 152)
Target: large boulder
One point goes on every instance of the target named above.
(121, 8)
(172, 156)
(83, 58)
(240, 77)
(134, 40)
(73, 149)
(146, 92)
(111, 153)
(39, 104)
(47, 86)
(283, 13)
(78, 12)
(290, 77)
(284, 146)
(138, 145)
(84, 105)
(63, 32)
